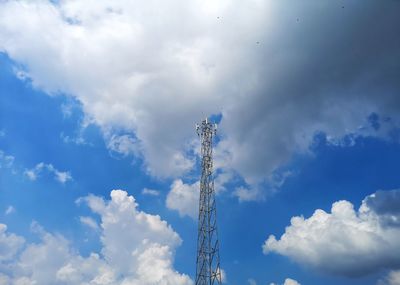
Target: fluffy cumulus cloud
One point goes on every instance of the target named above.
(184, 198)
(9, 244)
(60, 176)
(146, 72)
(346, 241)
(137, 248)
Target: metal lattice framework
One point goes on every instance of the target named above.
(208, 270)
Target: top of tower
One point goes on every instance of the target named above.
(206, 125)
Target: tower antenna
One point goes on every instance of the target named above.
(208, 271)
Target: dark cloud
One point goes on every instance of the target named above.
(326, 73)
(277, 71)
(386, 204)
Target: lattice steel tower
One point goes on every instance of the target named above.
(208, 270)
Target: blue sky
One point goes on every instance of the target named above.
(95, 98)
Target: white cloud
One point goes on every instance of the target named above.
(124, 144)
(10, 210)
(78, 140)
(10, 244)
(67, 109)
(4, 279)
(345, 241)
(39, 262)
(137, 249)
(31, 174)
(393, 278)
(60, 176)
(150, 192)
(288, 281)
(90, 222)
(251, 281)
(254, 192)
(6, 161)
(248, 194)
(152, 80)
(220, 180)
(184, 198)
(78, 135)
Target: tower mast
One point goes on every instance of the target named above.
(208, 271)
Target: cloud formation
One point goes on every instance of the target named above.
(9, 244)
(345, 241)
(137, 248)
(393, 278)
(150, 192)
(6, 161)
(89, 221)
(10, 210)
(247, 194)
(61, 176)
(184, 198)
(276, 75)
(251, 281)
(289, 281)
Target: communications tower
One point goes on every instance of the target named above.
(208, 271)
